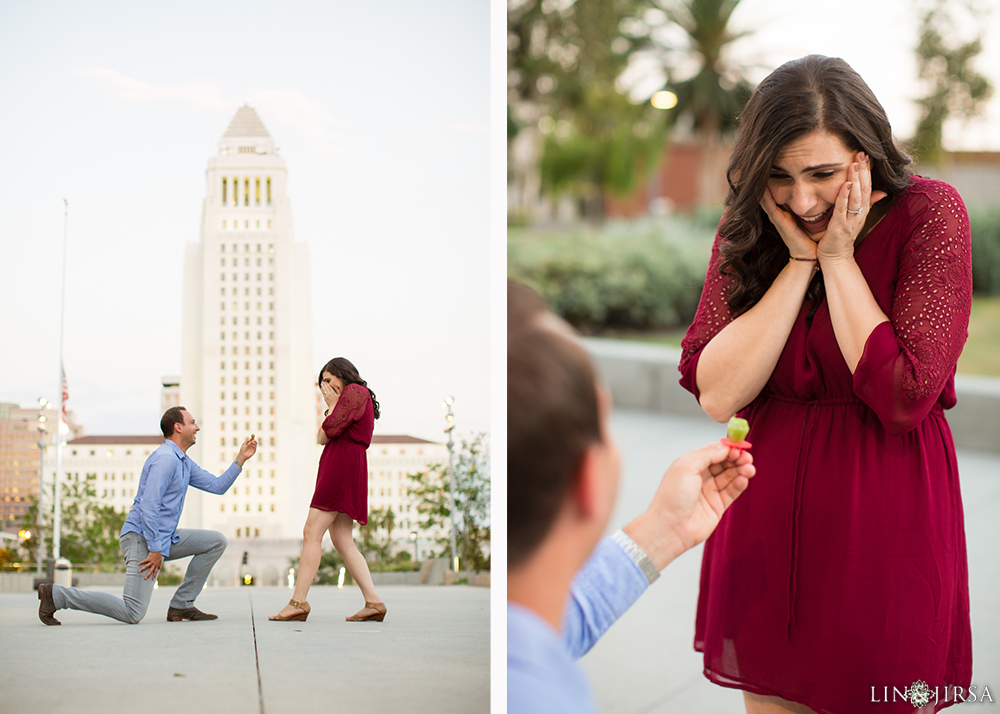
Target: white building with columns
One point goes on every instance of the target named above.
(247, 363)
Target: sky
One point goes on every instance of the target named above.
(382, 118)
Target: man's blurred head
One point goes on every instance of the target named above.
(555, 419)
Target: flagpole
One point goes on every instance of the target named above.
(57, 520)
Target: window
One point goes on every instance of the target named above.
(224, 188)
(269, 203)
(257, 193)
(246, 192)
(236, 189)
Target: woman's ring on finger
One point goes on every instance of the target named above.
(857, 212)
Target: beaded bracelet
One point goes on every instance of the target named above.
(804, 260)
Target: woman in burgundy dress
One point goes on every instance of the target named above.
(834, 310)
(341, 495)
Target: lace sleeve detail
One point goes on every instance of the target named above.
(930, 311)
(711, 316)
(348, 409)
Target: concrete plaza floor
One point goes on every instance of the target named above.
(431, 654)
(646, 663)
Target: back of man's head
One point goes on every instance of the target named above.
(552, 417)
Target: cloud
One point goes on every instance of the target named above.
(203, 95)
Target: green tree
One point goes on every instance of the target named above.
(431, 491)
(89, 530)
(713, 97)
(945, 66)
(583, 133)
(376, 535)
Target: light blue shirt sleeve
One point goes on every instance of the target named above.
(603, 589)
(205, 481)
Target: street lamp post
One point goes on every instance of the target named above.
(415, 538)
(42, 403)
(449, 428)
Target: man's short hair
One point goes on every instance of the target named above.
(173, 415)
(552, 418)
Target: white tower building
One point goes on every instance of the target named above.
(247, 346)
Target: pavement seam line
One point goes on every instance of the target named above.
(256, 656)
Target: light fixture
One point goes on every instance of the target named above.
(664, 100)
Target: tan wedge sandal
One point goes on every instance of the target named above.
(377, 616)
(301, 616)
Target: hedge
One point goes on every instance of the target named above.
(641, 275)
(648, 274)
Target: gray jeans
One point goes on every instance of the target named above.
(206, 547)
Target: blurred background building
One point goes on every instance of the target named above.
(23, 431)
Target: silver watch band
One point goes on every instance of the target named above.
(637, 554)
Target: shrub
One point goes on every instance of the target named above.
(985, 223)
(637, 275)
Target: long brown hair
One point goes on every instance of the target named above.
(344, 369)
(800, 97)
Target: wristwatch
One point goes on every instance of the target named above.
(637, 554)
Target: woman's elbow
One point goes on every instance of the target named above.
(718, 409)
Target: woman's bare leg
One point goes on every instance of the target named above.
(312, 541)
(341, 532)
(758, 704)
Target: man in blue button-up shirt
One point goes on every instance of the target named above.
(150, 534)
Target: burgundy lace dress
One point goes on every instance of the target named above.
(842, 569)
(342, 481)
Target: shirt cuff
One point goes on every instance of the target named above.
(637, 554)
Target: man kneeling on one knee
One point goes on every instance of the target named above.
(150, 534)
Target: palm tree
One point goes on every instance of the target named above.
(713, 97)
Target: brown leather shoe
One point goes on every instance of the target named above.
(192, 613)
(47, 607)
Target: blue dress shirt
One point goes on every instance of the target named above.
(163, 485)
(542, 674)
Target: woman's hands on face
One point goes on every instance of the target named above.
(800, 245)
(330, 393)
(846, 224)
